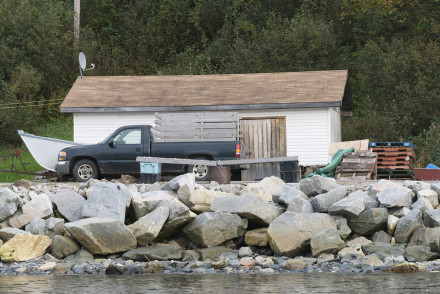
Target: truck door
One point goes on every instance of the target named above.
(119, 155)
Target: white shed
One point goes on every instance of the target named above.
(283, 114)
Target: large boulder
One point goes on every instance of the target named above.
(107, 200)
(436, 187)
(427, 237)
(347, 207)
(24, 247)
(271, 185)
(369, 221)
(383, 250)
(383, 185)
(289, 193)
(39, 206)
(69, 204)
(290, 233)
(249, 206)
(210, 229)
(430, 195)
(147, 202)
(257, 237)
(49, 227)
(184, 185)
(369, 202)
(323, 202)
(300, 205)
(422, 204)
(63, 246)
(342, 226)
(148, 227)
(431, 218)
(7, 234)
(395, 197)
(407, 225)
(9, 203)
(150, 253)
(317, 185)
(201, 200)
(419, 253)
(102, 235)
(327, 241)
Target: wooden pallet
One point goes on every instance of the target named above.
(391, 174)
(359, 165)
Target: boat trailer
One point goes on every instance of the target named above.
(16, 155)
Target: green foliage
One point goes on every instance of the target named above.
(391, 48)
(428, 146)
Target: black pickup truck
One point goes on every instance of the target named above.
(117, 154)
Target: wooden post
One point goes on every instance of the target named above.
(76, 5)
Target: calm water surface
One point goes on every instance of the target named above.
(222, 283)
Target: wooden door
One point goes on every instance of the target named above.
(262, 137)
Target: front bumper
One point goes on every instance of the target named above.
(62, 168)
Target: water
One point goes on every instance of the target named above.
(223, 283)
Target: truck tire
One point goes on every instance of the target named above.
(84, 169)
(200, 171)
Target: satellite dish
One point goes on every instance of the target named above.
(83, 63)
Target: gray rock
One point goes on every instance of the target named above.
(327, 241)
(101, 235)
(369, 202)
(39, 207)
(369, 221)
(244, 252)
(147, 202)
(80, 257)
(272, 185)
(190, 255)
(358, 242)
(200, 200)
(383, 185)
(322, 202)
(107, 200)
(407, 225)
(290, 193)
(347, 207)
(290, 233)
(147, 228)
(430, 195)
(342, 226)
(436, 187)
(372, 260)
(50, 227)
(7, 234)
(399, 211)
(382, 250)
(326, 257)
(9, 203)
(184, 185)
(381, 237)
(427, 237)
(210, 229)
(150, 253)
(416, 186)
(249, 206)
(63, 246)
(37, 226)
(69, 204)
(213, 252)
(317, 185)
(422, 204)
(392, 224)
(300, 205)
(395, 197)
(431, 218)
(419, 253)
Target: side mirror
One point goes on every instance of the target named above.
(112, 143)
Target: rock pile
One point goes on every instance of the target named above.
(269, 224)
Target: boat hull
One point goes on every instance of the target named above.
(45, 150)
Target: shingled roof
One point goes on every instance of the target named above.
(210, 92)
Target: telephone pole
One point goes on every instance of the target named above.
(76, 4)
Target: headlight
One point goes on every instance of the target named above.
(62, 156)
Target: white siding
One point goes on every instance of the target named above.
(309, 131)
(335, 126)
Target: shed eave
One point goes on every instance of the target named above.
(203, 107)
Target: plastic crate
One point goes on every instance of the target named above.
(289, 171)
(151, 168)
(149, 178)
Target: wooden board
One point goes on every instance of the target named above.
(359, 145)
(357, 166)
(262, 138)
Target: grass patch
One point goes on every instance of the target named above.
(61, 128)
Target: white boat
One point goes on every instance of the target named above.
(45, 150)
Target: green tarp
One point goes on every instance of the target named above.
(329, 170)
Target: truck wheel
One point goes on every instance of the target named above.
(200, 171)
(84, 170)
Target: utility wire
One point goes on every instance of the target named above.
(29, 102)
(28, 106)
